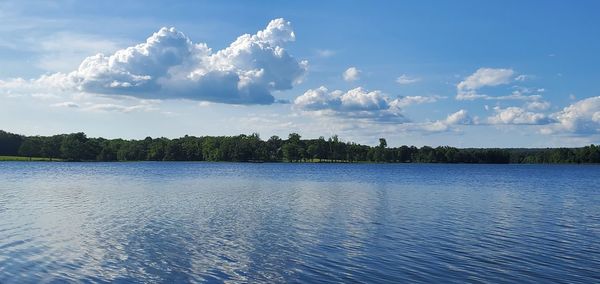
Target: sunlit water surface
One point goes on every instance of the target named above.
(228, 222)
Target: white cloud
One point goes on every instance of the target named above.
(325, 53)
(514, 96)
(170, 66)
(99, 106)
(582, 117)
(460, 117)
(118, 108)
(486, 77)
(522, 78)
(357, 103)
(351, 74)
(46, 84)
(469, 96)
(537, 105)
(65, 104)
(483, 77)
(405, 79)
(205, 104)
(520, 93)
(415, 100)
(517, 115)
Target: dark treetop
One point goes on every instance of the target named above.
(250, 148)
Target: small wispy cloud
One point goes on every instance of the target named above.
(118, 108)
(325, 53)
(406, 80)
(484, 77)
(468, 89)
(65, 104)
(351, 74)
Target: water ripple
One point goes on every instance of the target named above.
(279, 223)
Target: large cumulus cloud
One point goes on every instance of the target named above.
(170, 66)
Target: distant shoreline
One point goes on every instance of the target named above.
(252, 149)
(20, 159)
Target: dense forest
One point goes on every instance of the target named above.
(251, 148)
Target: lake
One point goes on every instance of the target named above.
(337, 223)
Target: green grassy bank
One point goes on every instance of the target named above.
(27, 159)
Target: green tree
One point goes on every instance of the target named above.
(73, 146)
(292, 149)
(274, 150)
(10, 143)
(50, 147)
(30, 147)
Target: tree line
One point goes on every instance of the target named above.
(251, 148)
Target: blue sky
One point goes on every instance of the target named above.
(460, 73)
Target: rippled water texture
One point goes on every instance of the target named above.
(227, 222)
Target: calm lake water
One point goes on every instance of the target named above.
(229, 222)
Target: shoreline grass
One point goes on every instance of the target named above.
(27, 159)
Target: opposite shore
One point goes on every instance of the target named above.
(251, 148)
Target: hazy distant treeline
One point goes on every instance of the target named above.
(250, 148)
